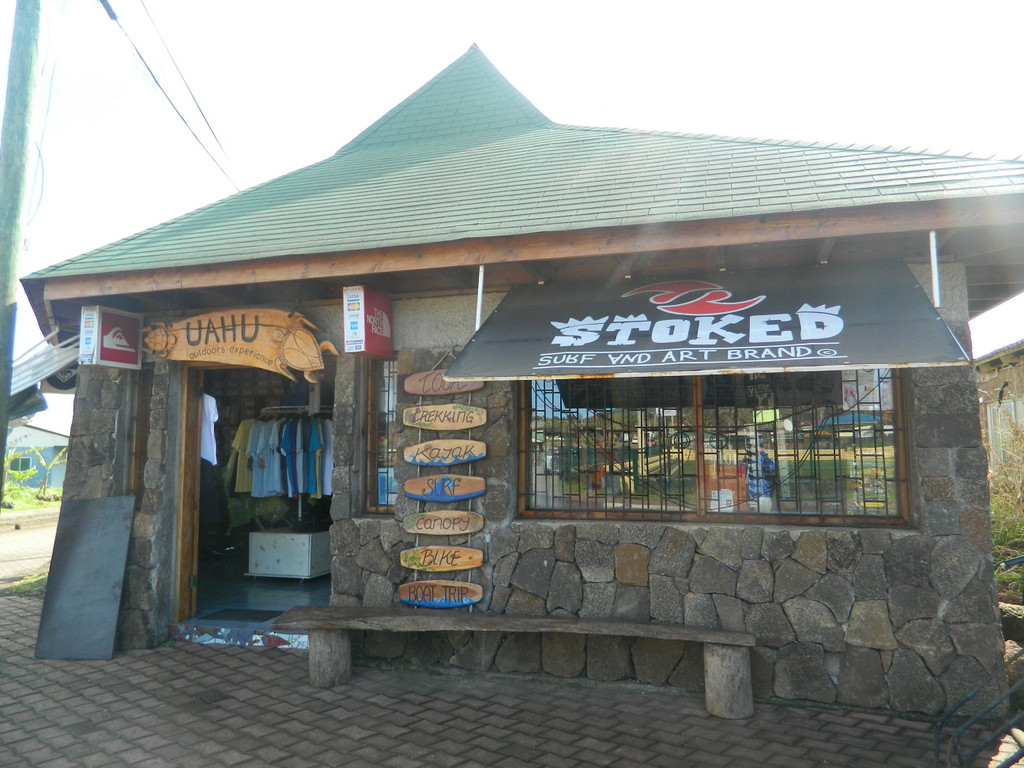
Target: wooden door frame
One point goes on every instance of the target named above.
(186, 587)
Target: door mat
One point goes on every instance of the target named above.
(240, 614)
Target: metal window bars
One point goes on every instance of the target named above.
(821, 443)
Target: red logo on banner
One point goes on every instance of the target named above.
(711, 301)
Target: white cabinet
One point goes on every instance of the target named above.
(289, 555)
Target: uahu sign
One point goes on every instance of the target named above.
(272, 339)
(825, 317)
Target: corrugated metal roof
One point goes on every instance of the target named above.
(468, 156)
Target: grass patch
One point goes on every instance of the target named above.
(1006, 489)
(16, 498)
(30, 586)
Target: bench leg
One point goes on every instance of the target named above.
(727, 685)
(330, 657)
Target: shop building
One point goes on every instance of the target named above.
(721, 381)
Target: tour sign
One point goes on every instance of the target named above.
(441, 558)
(444, 418)
(271, 339)
(437, 593)
(433, 383)
(443, 522)
(444, 487)
(444, 453)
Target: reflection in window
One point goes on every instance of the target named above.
(819, 444)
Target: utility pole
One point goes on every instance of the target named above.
(14, 154)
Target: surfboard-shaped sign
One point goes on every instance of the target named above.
(438, 593)
(445, 453)
(441, 558)
(444, 487)
(433, 383)
(444, 418)
(443, 522)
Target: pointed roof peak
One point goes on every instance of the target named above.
(467, 98)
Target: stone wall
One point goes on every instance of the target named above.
(103, 433)
(99, 452)
(901, 619)
(870, 618)
(147, 607)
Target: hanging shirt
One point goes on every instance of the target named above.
(253, 452)
(243, 464)
(290, 449)
(314, 447)
(207, 436)
(273, 483)
(266, 461)
(327, 459)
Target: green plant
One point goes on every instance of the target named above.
(60, 458)
(1006, 489)
(16, 478)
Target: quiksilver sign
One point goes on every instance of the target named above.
(846, 316)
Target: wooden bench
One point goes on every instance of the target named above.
(727, 681)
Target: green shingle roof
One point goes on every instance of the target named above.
(468, 156)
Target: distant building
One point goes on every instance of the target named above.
(1001, 393)
(37, 448)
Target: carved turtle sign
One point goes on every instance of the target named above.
(271, 339)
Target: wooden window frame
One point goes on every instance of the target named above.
(902, 506)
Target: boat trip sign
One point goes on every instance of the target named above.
(828, 317)
(271, 339)
(439, 593)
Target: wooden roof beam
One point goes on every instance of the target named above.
(558, 246)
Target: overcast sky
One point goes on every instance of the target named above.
(285, 84)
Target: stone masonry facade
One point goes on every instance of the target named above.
(900, 618)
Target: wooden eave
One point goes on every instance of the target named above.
(732, 243)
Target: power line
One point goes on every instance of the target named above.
(156, 80)
(182, 76)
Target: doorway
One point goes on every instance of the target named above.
(257, 493)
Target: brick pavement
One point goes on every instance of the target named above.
(188, 706)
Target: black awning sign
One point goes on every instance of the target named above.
(827, 317)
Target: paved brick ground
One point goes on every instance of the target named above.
(192, 706)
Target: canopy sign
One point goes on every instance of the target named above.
(815, 318)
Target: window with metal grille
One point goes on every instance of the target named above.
(383, 450)
(787, 447)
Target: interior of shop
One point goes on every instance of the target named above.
(264, 494)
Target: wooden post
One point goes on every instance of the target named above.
(330, 657)
(14, 146)
(728, 690)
